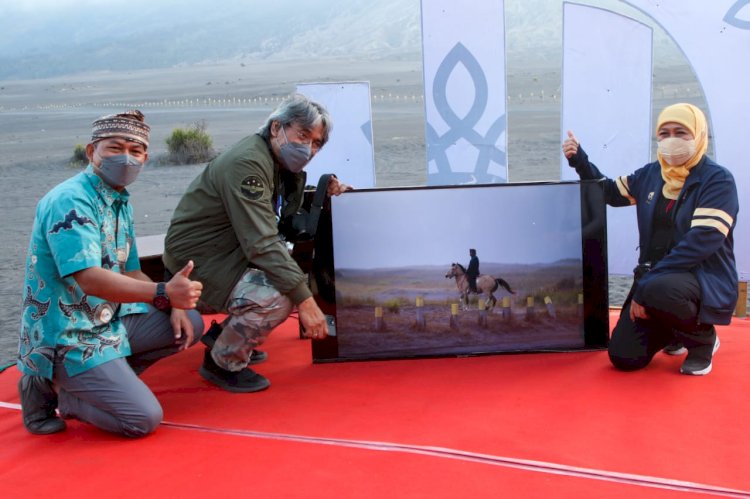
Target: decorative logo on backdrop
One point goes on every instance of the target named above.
(367, 131)
(731, 16)
(463, 128)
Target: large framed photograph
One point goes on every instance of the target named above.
(393, 270)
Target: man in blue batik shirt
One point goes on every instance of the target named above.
(92, 321)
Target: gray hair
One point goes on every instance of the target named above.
(300, 110)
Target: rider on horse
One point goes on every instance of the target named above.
(472, 272)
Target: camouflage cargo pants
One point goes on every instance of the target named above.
(255, 308)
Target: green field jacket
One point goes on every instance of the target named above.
(227, 222)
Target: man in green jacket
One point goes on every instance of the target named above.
(226, 223)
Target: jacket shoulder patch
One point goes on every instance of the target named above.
(252, 187)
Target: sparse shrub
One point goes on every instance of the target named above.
(565, 283)
(393, 305)
(191, 145)
(79, 157)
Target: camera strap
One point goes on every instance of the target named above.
(317, 203)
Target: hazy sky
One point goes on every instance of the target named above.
(64, 4)
(42, 38)
(32, 5)
(39, 5)
(506, 224)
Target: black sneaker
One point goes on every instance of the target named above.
(210, 336)
(243, 381)
(698, 360)
(38, 404)
(674, 348)
(257, 357)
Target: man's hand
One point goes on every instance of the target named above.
(182, 292)
(570, 145)
(312, 319)
(336, 187)
(637, 311)
(182, 327)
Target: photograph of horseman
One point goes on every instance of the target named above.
(401, 283)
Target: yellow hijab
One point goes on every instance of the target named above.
(694, 120)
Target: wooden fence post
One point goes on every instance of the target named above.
(741, 308)
(482, 321)
(550, 307)
(421, 324)
(379, 324)
(507, 316)
(454, 316)
(580, 304)
(529, 308)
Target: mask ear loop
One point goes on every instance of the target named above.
(93, 156)
(281, 129)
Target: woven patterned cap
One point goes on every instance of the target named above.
(128, 125)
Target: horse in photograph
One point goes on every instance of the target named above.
(486, 284)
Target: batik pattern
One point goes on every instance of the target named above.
(81, 223)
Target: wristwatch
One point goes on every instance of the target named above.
(161, 300)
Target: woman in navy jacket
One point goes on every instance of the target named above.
(686, 279)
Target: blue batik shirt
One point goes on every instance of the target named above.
(79, 224)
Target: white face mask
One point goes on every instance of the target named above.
(676, 151)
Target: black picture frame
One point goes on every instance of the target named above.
(357, 226)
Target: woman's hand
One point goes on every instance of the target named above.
(637, 311)
(570, 145)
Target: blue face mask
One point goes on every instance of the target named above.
(294, 156)
(119, 170)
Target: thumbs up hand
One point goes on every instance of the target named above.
(570, 145)
(185, 271)
(182, 292)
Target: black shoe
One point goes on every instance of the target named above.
(674, 348)
(257, 357)
(210, 336)
(243, 381)
(699, 359)
(38, 404)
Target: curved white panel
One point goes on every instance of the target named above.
(715, 38)
(607, 63)
(349, 151)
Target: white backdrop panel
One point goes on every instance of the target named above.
(349, 151)
(715, 38)
(464, 74)
(607, 104)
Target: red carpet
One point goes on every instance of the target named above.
(530, 425)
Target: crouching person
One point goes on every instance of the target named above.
(92, 321)
(227, 223)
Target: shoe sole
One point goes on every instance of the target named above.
(46, 427)
(679, 351)
(211, 378)
(701, 372)
(707, 369)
